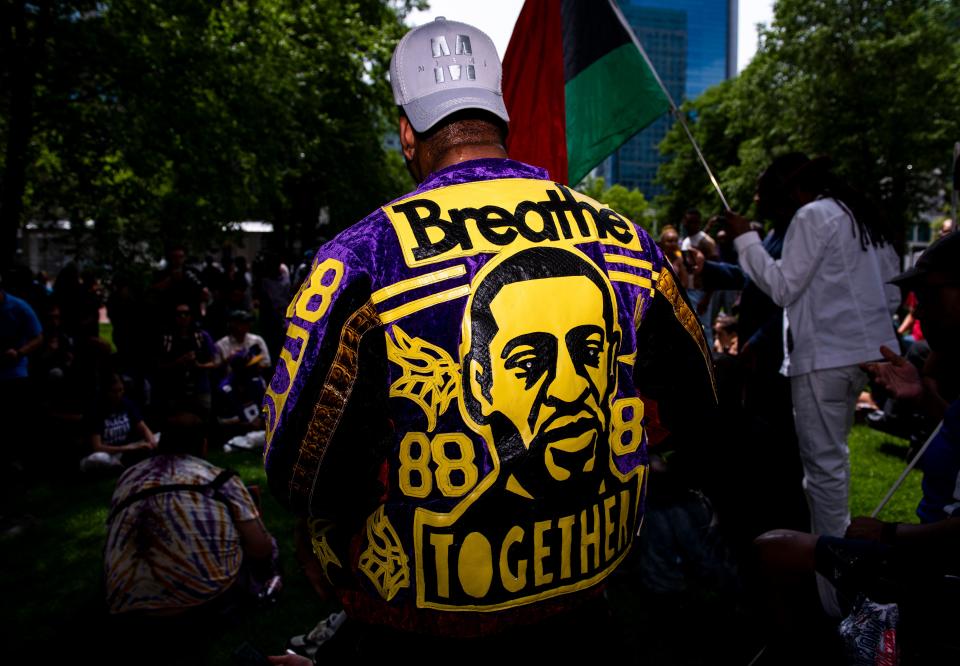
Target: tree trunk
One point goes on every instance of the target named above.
(23, 51)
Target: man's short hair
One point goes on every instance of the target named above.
(240, 315)
(471, 127)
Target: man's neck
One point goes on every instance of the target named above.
(459, 154)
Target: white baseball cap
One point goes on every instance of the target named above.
(443, 67)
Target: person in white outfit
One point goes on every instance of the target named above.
(838, 307)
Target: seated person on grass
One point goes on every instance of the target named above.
(185, 538)
(239, 395)
(241, 343)
(118, 434)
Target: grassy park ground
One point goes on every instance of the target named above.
(50, 575)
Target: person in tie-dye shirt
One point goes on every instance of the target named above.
(187, 547)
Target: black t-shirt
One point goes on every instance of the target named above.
(115, 425)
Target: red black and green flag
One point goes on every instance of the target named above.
(577, 86)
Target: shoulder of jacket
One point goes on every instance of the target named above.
(824, 211)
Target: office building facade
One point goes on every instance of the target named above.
(692, 44)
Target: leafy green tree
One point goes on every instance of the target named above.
(710, 118)
(873, 84)
(167, 120)
(625, 201)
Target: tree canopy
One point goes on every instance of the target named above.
(167, 119)
(627, 202)
(873, 84)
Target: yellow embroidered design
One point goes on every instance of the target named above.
(321, 546)
(424, 280)
(506, 214)
(630, 278)
(408, 309)
(274, 402)
(384, 561)
(431, 378)
(629, 261)
(638, 309)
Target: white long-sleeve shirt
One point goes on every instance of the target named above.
(835, 295)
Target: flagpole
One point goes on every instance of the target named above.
(910, 466)
(674, 109)
(956, 182)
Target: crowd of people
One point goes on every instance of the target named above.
(182, 371)
(817, 322)
(531, 401)
(179, 340)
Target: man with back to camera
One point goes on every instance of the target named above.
(830, 280)
(186, 547)
(455, 411)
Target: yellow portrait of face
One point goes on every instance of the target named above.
(549, 366)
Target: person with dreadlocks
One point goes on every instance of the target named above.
(831, 282)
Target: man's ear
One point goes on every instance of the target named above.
(408, 138)
(476, 388)
(614, 351)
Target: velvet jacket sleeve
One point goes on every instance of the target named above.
(325, 408)
(674, 366)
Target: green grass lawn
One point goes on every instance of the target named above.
(876, 461)
(50, 575)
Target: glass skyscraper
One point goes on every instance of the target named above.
(692, 45)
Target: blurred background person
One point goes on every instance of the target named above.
(118, 435)
(837, 257)
(186, 356)
(699, 240)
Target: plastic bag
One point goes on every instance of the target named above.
(869, 634)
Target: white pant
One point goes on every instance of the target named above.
(824, 402)
(823, 405)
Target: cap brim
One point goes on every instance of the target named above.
(908, 277)
(426, 112)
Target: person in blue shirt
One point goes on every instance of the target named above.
(20, 334)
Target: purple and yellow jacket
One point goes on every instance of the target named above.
(457, 406)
